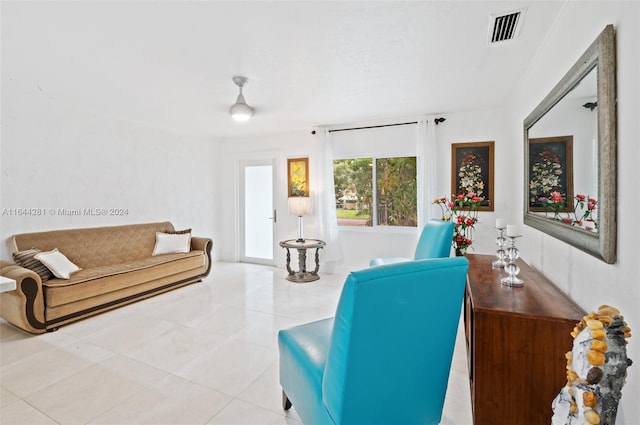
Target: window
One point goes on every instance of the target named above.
(392, 203)
(375, 175)
(396, 191)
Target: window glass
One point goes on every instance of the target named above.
(353, 183)
(396, 191)
(394, 201)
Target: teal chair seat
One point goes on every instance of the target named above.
(434, 242)
(385, 357)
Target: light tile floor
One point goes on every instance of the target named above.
(202, 354)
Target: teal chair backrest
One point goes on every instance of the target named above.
(435, 240)
(392, 342)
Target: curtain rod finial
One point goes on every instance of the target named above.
(439, 120)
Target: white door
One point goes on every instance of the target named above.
(257, 214)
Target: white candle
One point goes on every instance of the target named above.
(500, 223)
(513, 230)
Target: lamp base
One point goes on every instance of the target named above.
(300, 238)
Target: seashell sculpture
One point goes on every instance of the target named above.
(596, 370)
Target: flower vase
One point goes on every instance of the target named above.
(459, 252)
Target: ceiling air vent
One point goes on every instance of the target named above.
(505, 27)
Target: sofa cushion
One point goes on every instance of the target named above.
(58, 263)
(88, 283)
(170, 243)
(26, 259)
(177, 232)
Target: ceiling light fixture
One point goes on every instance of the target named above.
(240, 111)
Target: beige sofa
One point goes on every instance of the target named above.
(117, 268)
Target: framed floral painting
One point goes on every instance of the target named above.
(551, 174)
(298, 176)
(472, 171)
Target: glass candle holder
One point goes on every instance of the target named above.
(500, 252)
(512, 267)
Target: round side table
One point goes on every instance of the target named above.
(302, 275)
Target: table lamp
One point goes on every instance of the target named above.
(299, 205)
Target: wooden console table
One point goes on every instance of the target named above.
(516, 341)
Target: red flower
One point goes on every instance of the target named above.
(581, 197)
(469, 222)
(460, 219)
(566, 220)
(556, 197)
(459, 197)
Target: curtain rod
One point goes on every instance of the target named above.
(437, 121)
(374, 126)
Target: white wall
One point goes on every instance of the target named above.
(588, 281)
(482, 126)
(58, 156)
(281, 147)
(358, 245)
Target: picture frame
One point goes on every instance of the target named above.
(298, 177)
(550, 169)
(472, 165)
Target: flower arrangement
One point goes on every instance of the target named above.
(462, 209)
(554, 202)
(583, 214)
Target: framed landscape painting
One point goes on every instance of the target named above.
(550, 170)
(298, 176)
(472, 171)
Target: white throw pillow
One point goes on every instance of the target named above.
(169, 243)
(56, 261)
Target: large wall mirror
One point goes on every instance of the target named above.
(570, 155)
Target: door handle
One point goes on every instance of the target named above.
(275, 216)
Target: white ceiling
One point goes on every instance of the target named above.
(169, 64)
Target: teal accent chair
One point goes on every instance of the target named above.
(434, 242)
(385, 356)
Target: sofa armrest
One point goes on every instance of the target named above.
(24, 306)
(206, 245)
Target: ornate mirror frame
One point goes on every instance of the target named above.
(601, 55)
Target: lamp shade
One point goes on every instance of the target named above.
(240, 111)
(299, 205)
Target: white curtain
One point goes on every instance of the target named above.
(427, 153)
(327, 201)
